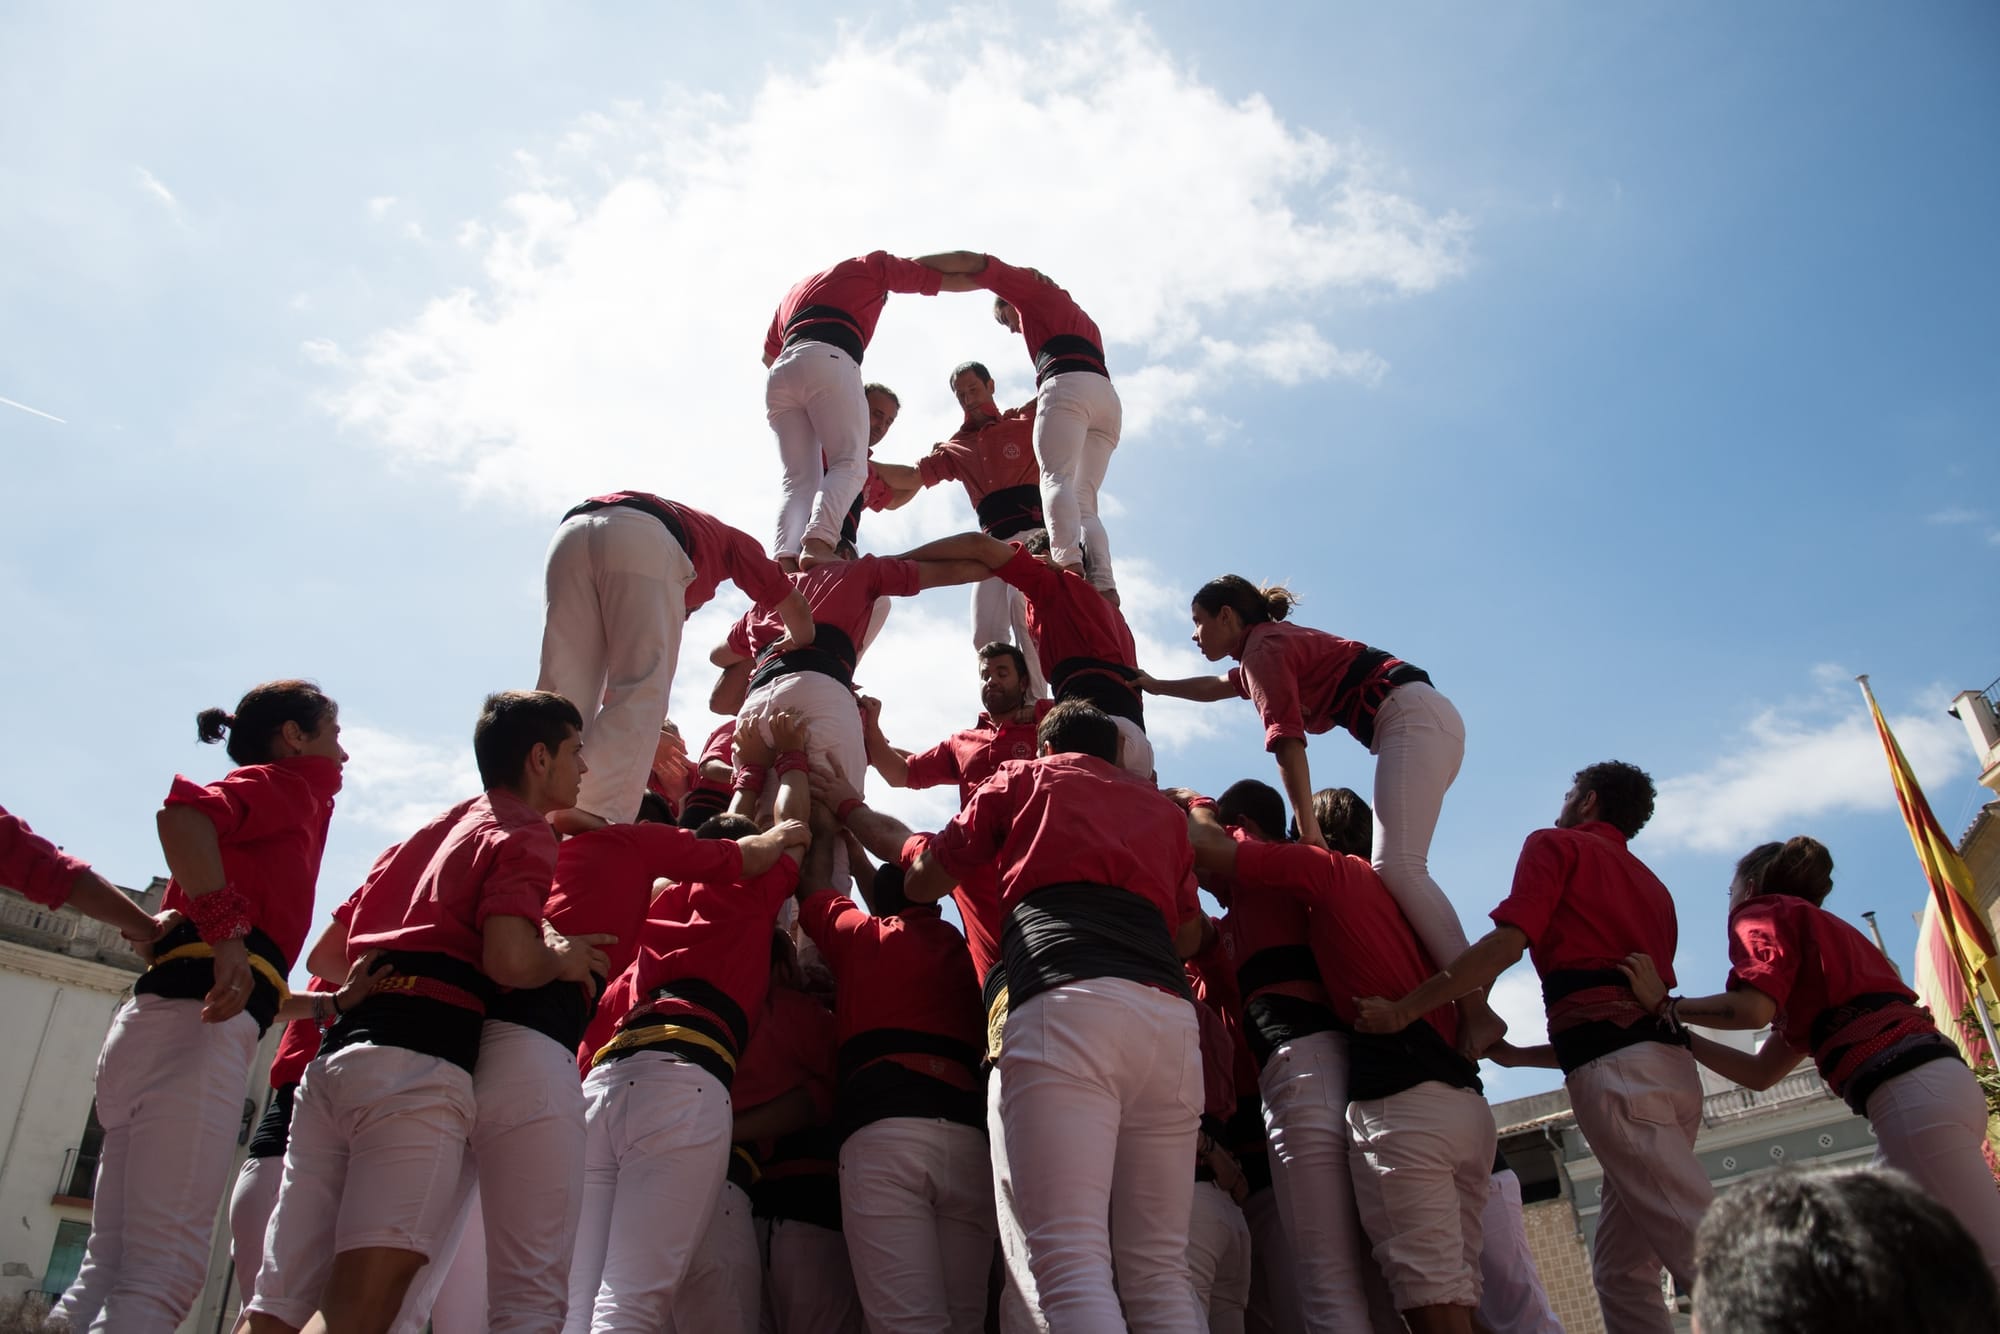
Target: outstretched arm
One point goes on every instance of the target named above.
(1752, 1069)
(942, 573)
(1742, 1007)
(1202, 689)
(901, 481)
(1475, 969)
(990, 552)
(955, 262)
(892, 764)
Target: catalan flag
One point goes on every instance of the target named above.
(1952, 894)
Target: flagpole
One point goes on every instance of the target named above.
(1949, 925)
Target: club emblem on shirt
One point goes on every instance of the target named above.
(1010, 451)
(1021, 751)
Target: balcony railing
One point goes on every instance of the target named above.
(63, 932)
(78, 1178)
(1731, 1104)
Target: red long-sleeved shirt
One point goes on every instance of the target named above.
(718, 552)
(1046, 311)
(32, 866)
(858, 288)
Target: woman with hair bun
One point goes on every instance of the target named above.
(1827, 991)
(1304, 680)
(244, 852)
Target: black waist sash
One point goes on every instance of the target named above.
(1566, 982)
(1357, 698)
(800, 1180)
(1380, 1065)
(875, 1086)
(826, 324)
(1106, 684)
(1010, 510)
(1274, 1018)
(1070, 932)
(430, 1003)
(691, 1018)
(274, 1129)
(831, 653)
(192, 976)
(645, 505)
(558, 1010)
(1069, 352)
(1579, 1046)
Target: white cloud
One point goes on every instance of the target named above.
(1810, 758)
(379, 206)
(321, 351)
(1956, 514)
(151, 185)
(628, 281)
(395, 783)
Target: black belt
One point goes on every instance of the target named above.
(831, 653)
(659, 510)
(184, 969)
(1010, 510)
(1069, 352)
(1568, 981)
(1579, 1046)
(1105, 684)
(826, 324)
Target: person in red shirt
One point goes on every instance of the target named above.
(890, 486)
(1581, 904)
(40, 872)
(1421, 1135)
(1825, 990)
(993, 457)
(1303, 1047)
(817, 682)
(1304, 680)
(1078, 416)
(244, 853)
(624, 572)
(657, 1097)
(456, 909)
(814, 396)
(916, 1187)
(1218, 1249)
(1081, 638)
(1100, 1082)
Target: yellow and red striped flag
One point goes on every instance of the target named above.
(1952, 893)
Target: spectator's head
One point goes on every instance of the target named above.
(1857, 1251)
(1224, 609)
(1074, 727)
(1345, 821)
(275, 721)
(1254, 807)
(1617, 793)
(529, 742)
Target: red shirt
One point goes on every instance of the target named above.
(793, 1046)
(1069, 818)
(298, 1045)
(1807, 960)
(1364, 944)
(493, 855)
(271, 821)
(842, 597)
(621, 993)
(986, 456)
(1585, 902)
(910, 971)
(858, 288)
(1304, 680)
(719, 552)
(34, 867)
(604, 879)
(1067, 618)
(1257, 925)
(1218, 1055)
(1046, 311)
(718, 932)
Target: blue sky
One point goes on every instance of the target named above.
(1626, 367)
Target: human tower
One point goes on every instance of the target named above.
(616, 1031)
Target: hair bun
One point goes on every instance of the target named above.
(211, 724)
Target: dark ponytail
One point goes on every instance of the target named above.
(1802, 868)
(1253, 605)
(261, 715)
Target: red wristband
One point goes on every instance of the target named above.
(1201, 803)
(791, 762)
(747, 780)
(222, 915)
(913, 848)
(846, 808)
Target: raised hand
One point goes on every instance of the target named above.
(1645, 979)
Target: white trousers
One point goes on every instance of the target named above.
(1640, 1108)
(916, 1207)
(527, 1138)
(449, 1292)
(835, 740)
(1273, 1306)
(1511, 1300)
(1000, 615)
(1304, 1086)
(808, 1281)
(1020, 1304)
(1419, 745)
(377, 1158)
(1100, 1096)
(1077, 420)
(250, 1203)
(1218, 1258)
(615, 602)
(170, 1098)
(1930, 1122)
(816, 406)
(1422, 1159)
(655, 1154)
(1135, 748)
(724, 1289)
